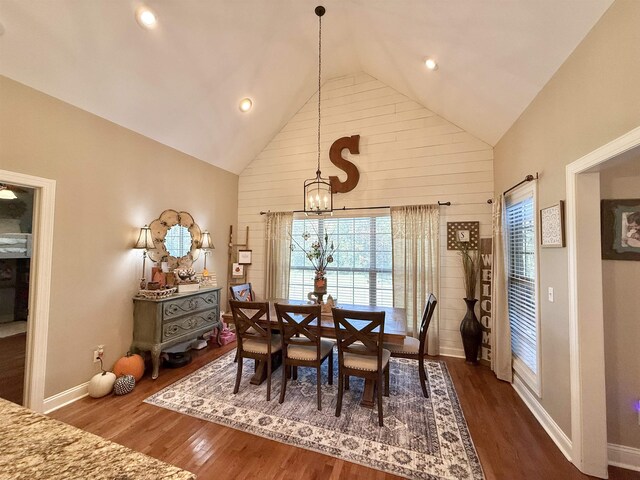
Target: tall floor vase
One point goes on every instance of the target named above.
(471, 332)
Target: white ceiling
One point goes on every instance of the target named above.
(180, 84)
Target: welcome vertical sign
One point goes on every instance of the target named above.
(486, 279)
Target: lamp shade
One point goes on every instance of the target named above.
(207, 244)
(5, 193)
(144, 240)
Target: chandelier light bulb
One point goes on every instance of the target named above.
(431, 64)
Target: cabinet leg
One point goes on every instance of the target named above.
(218, 333)
(155, 361)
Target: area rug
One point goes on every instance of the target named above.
(421, 438)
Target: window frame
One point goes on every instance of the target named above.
(521, 369)
(372, 271)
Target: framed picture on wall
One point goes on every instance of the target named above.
(552, 225)
(237, 270)
(620, 229)
(244, 257)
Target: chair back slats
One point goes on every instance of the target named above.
(295, 331)
(246, 317)
(429, 308)
(242, 292)
(368, 329)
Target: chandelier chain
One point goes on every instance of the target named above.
(319, 81)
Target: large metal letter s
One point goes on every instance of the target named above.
(335, 155)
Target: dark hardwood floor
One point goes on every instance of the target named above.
(12, 358)
(509, 440)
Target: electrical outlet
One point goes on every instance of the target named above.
(98, 354)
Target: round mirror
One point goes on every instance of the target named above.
(177, 239)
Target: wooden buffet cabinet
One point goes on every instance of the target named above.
(162, 323)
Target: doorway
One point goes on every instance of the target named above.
(28, 279)
(586, 313)
(16, 235)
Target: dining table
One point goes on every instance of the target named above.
(395, 331)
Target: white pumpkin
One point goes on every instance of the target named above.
(101, 384)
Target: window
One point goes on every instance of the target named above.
(522, 289)
(361, 271)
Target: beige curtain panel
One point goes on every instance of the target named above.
(416, 243)
(500, 330)
(277, 254)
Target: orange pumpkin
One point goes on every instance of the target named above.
(130, 364)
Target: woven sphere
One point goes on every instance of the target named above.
(124, 385)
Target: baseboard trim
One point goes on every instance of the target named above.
(451, 352)
(61, 399)
(624, 457)
(550, 426)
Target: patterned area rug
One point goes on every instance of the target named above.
(421, 438)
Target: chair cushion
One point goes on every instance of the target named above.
(411, 346)
(260, 345)
(365, 362)
(308, 352)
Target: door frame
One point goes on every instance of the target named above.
(586, 325)
(39, 284)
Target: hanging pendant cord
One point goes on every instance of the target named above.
(319, 82)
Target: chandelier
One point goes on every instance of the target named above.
(318, 196)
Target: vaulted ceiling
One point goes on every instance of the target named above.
(180, 83)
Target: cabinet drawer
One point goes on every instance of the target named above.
(184, 306)
(185, 325)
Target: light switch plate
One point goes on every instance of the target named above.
(551, 294)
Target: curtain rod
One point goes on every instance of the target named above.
(528, 178)
(345, 209)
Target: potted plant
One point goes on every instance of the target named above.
(320, 254)
(470, 327)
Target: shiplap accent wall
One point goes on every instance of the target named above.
(408, 156)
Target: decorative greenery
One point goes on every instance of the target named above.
(320, 253)
(470, 267)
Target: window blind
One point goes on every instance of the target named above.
(521, 279)
(361, 273)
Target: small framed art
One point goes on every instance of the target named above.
(620, 225)
(244, 257)
(552, 225)
(237, 270)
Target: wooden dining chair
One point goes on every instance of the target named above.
(360, 351)
(302, 347)
(254, 341)
(242, 292)
(415, 348)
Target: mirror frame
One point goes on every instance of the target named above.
(160, 227)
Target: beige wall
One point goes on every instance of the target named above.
(110, 182)
(592, 99)
(408, 156)
(620, 280)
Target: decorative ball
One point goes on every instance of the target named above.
(130, 364)
(101, 384)
(124, 385)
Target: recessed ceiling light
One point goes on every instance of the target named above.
(146, 18)
(245, 104)
(431, 64)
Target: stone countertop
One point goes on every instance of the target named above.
(34, 446)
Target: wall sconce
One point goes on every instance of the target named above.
(206, 246)
(145, 242)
